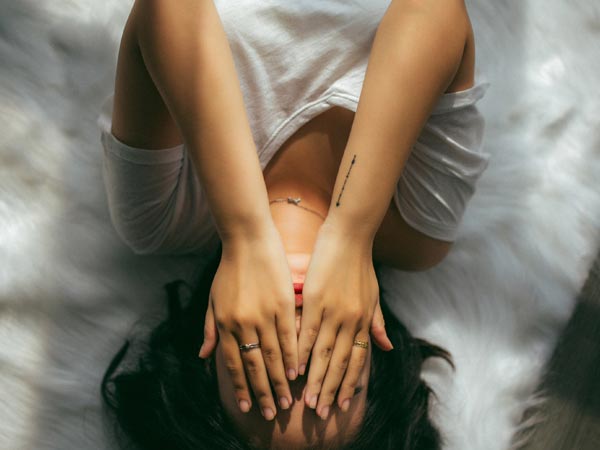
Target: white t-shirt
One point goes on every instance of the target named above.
(295, 60)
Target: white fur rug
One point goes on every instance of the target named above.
(70, 290)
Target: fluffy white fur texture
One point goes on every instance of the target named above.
(70, 290)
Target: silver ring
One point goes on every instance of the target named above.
(246, 347)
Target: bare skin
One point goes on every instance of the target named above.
(296, 427)
(141, 119)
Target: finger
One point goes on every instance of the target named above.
(298, 321)
(235, 366)
(257, 375)
(272, 357)
(210, 332)
(378, 330)
(319, 361)
(335, 371)
(288, 341)
(309, 330)
(355, 366)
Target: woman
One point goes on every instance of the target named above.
(180, 144)
(173, 400)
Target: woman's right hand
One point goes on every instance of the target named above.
(252, 300)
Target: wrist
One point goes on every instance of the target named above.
(359, 232)
(248, 229)
(347, 235)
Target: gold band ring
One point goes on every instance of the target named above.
(362, 344)
(246, 347)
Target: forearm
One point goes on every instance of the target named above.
(187, 53)
(416, 52)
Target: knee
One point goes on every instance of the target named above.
(430, 254)
(410, 250)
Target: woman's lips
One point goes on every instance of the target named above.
(298, 293)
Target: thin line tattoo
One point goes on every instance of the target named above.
(337, 203)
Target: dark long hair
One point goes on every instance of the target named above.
(169, 399)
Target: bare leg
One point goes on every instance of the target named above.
(140, 117)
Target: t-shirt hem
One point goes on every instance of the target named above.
(451, 101)
(127, 152)
(302, 116)
(431, 229)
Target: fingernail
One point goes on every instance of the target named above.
(244, 406)
(346, 405)
(313, 402)
(325, 412)
(301, 369)
(268, 413)
(284, 402)
(291, 374)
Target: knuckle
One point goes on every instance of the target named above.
(286, 339)
(252, 366)
(364, 325)
(354, 313)
(222, 324)
(325, 352)
(288, 352)
(283, 302)
(342, 364)
(239, 388)
(241, 321)
(230, 364)
(270, 355)
(312, 333)
(232, 368)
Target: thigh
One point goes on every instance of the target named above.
(140, 117)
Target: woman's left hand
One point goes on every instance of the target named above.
(340, 300)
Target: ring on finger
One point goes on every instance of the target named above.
(246, 347)
(361, 344)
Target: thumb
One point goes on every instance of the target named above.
(378, 330)
(210, 332)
